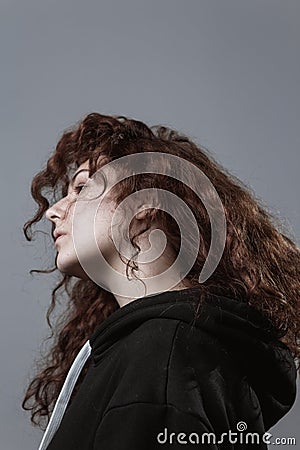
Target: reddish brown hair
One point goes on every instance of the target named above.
(260, 261)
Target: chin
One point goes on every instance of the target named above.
(71, 268)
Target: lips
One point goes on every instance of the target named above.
(57, 234)
(58, 239)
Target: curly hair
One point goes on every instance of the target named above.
(260, 262)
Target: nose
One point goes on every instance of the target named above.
(56, 211)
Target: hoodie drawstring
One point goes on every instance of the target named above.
(65, 394)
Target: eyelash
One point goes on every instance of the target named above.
(78, 188)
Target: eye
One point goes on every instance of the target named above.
(79, 188)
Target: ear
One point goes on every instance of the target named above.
(143, 220)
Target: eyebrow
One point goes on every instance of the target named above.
(75, 175)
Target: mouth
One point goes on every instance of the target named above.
(58, 238)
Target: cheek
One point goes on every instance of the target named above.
(103, 236)
(92, 230)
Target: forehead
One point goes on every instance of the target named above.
(81, 172)
(102, 159)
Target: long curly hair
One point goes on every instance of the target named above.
(260, 262)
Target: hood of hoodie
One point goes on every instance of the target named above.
(245, 332)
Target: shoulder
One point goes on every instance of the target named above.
(170, 362)
(161, 342)
(149, 347)
(141, 363)
(154, 334)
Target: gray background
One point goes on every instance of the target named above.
(225, 72)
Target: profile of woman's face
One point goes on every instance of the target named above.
(63, 213)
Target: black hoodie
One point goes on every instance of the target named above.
(160, 378)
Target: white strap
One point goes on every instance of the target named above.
(64, 395)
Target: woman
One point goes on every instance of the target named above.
(161, 356)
